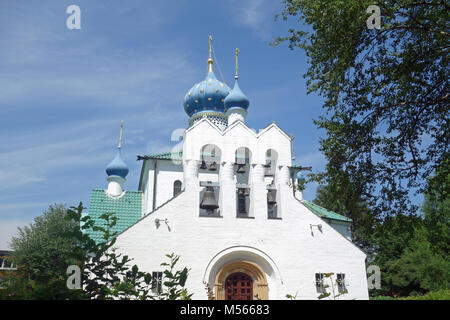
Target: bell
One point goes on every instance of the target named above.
(209, 202)
(241, 168)
(203, 165)
(213, 166)
(272, 197)
(268, 164)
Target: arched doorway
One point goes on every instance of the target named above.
(239, 286)
(228, 275)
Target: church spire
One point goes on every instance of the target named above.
(236, 58)
(236, 103)
(120, 137)
(210, 60)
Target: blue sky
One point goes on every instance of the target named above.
(63, 92)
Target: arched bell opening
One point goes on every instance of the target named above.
(242, 172)
(270, 165)
(209, 170)
(243, 157)
(210, 155)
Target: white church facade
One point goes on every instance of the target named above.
(227, 204)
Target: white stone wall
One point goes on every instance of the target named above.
(167, 173)
(288, 251)
(235, 136)
(293, 253)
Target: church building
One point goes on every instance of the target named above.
(228, 205)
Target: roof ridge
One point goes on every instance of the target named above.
(162, 155)
(103, 190)
(324, 214)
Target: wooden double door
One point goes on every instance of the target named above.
(239, 286)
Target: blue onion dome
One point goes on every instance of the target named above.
(117, 167)
(208, 96)
(236, 99)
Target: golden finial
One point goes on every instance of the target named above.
(210, 60)
(236, 58)
(121, 132)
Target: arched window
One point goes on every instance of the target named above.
(210, 157)
(176, 187)
(271, 162)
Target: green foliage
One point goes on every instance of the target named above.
(417, 270)
(58, 239)
(41, 253)
(381, 298)
(292, 297)
(385, 91)
(432, 295)
(436, 209)
(343, 199)
(412, 252)
(387, 124)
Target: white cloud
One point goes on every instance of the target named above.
(21, 205)
(120, 80)
(258, 15)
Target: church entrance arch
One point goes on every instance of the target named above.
(241, 280)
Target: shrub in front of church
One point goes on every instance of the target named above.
(41, 254)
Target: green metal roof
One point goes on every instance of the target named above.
(324, 213)
(165, 156)
(127, 209)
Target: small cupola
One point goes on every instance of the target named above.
(117, 167)
(236, 103)
(117, 170)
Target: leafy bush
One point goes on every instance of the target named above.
(432, 295)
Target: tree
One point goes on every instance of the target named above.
(386, 93)
(418, 269)
(58, 239)
(412, 251)
(436, 210)
(344, 200)
(42, 253)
